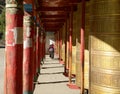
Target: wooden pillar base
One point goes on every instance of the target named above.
(61, 61)
(73, 86)
(27, 92)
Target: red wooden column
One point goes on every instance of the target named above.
(38, 47)
(57, 44)
(42, 46)
(36, 51)
(82, 47)
(39, 50)
(68, 48)
(65, 65)
(14, 47)
(34, 39)
(35, 59)
(60, 45)
(44, 40)
(70, 45)
(55, 34)
(28, 59)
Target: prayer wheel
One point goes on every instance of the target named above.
(67, 51)
(60, 45)
(74, 60)
(77, 25)
(57, 43)
(74, 48)
(86, 63)
(105, 47)
(63, 44)
(87, 30)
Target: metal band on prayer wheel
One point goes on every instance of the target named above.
(105, 47)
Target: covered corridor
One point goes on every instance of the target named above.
(52, 80)
(86, 41)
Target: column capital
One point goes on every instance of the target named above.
(13, 5)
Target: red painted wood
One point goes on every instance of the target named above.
(73, 86)
(60, 45)
(37, 48)
(40, 47)
(28, 60)
(70, 45)
(57, 42)
(65, 65)
(14, 53)
(39, 52)
(35, 59)
(82, 47)
(28, 74)
(44, 46)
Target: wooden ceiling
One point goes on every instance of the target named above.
(54, 13)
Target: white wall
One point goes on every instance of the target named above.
(50, 39)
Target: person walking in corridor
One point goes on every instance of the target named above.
(51, 51)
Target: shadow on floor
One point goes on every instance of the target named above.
(52, 67)
(48, 59)
(51, 73)
(52, 82)
(2, 46)
(56, 59)
(49, 63)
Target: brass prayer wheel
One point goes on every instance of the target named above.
(63, 44)
(67, 51)
(76, 26)
(105, 47)
(74, 48)
(86, 63)
(74, 60)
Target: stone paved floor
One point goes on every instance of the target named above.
(2, 60)
(51, 80)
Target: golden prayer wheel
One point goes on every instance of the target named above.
(60, 44)
(76, 26)
(66, 46)
(105, 47)
(74, 60)
(63, 52)
(74, 49)
(86, 63)
(63, 44)
(86, 58)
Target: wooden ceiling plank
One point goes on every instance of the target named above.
(54, 16)
(53, 20)
(46, 8)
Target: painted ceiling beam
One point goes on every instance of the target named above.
(53, 20)
(46, 8)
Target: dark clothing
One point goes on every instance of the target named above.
(51, 51)
(51, 54)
